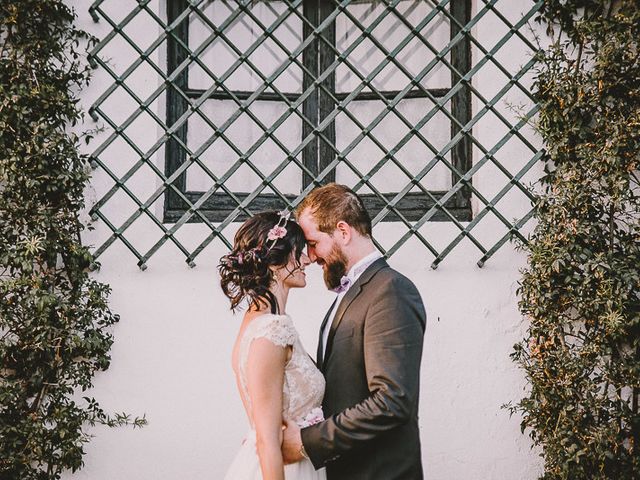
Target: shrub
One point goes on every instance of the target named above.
(54, 318)
(581, 288)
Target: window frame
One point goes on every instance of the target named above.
(316, 155)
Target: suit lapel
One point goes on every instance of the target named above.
(349, 297)
(319, 352)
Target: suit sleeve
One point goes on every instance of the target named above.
(393, 338)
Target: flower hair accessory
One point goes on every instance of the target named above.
(255, 255)
(278, 231)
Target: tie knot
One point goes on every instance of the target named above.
(345, 283)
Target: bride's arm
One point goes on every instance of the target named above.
(265, 378)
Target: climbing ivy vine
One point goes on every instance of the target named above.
(580, 291)
(54, 318)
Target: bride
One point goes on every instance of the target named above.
(276, 378)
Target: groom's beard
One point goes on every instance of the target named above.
(336, 267)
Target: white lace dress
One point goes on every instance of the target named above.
(303, 390)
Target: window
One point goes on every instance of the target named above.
(267, 97)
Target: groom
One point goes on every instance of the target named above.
(369, 350)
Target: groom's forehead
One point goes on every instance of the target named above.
(307, 220)
(308, 223)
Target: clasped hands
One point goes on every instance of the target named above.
(291, 442)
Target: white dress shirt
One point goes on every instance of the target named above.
(353, 274)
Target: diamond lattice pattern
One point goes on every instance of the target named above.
(218, 109)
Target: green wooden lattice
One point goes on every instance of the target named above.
(318, 106)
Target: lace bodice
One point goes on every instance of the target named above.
(303, 386)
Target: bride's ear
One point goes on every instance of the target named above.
(275, 272)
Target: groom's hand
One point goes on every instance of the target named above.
(291, 443)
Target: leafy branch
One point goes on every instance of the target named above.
(55, 319)
(581, 289)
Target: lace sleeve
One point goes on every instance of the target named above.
(278, 329)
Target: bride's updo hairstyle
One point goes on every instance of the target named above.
(268, 239)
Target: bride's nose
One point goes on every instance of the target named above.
(304, 259)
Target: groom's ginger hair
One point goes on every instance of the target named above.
(333, 203)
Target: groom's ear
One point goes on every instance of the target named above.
(343, 232)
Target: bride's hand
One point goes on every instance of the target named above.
(291, 443)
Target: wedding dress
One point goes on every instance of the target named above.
(303, 390)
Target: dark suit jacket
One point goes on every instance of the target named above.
(372, 369)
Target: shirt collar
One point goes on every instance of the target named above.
(362, 264)
(354, 272)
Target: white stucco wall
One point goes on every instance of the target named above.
(171, 357)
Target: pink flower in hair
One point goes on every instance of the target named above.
(276, 233)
